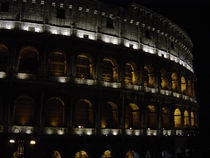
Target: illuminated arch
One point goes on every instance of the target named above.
(151, 117)
(24, 110)
(131, 76)
(132, 116)
(109, 116)
(56, 154)
(186, 119)
(81, 154)
(175, 82)
(107, 154)
(55, 112)
(149, 77)
(28, 60)
(177, 119)
(164, 79)
(165, 118)
(183, 85)
(109, 70)
(131, 154)
(4, 54)
(84, 66)
(57, 63)
(83, 115)
(192, 116)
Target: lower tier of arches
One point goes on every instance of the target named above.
(97, 146)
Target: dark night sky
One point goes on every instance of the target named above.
(193, 17)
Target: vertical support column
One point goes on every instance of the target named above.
(179, 82)
(94, 65)
(99, 102)
(68, 112)
(170, 81)
(172, 120)
(68, 65)
(141, 75)
(73, 66)
(41, 119)
(10, 103)
(44, 63)
(98, 68)
(144, 117)
(122, 124)
(158, 78)
(14, 59)
(182, 116)
(160, 119)
(121, 74)
(71, 117)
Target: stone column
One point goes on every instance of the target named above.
(41, 113)
(122, 123)
(159, 108)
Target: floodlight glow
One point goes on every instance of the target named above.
(32, 142)
(11, 141)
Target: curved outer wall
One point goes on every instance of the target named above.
(101, 75)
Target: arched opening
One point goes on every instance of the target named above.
(83, 115)
(175, 82)
(151, 115)
(109, 116)
(56, 154)
(109, 70)
(54, 112)
(186, 119)
(130, 73)
(4, 56)
(28, 60)
(57, 64)
(149, 77)
(189, 87)
(132, 116)
(192, 119)
(177, 119)
(24, 110)
(81, 154)
(164, 79)
(183, 85)
(131, 154)
(165, 118)
(107, 154)
(84, 67)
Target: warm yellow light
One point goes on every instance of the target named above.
(32, 142)
(11, 141)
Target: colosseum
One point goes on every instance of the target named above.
(84, 78)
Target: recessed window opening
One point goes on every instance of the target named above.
(60, 13)
(172, 45)
(109, 23)
(5, 7)
(148, 34)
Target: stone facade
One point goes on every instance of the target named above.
(129, 70)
